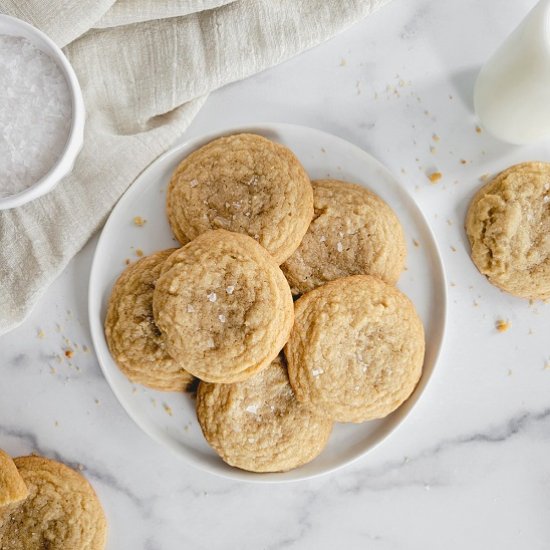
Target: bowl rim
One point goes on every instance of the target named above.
(64, 164)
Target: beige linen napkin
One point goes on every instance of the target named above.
(145, 67)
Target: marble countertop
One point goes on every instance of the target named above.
(469, 467)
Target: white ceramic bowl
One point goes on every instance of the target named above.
(15, 27)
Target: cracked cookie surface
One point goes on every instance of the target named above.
(353, 232)
(356, 349)
(135, 342)
(508, 226)
(224, 306)
(61, 511)
(258, 425)
(243, 183)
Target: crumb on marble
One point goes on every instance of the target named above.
(502, 326)
(167, 409)
(139, 252)
(436, 138)
(463, 161)
(453, 248)
(40, 334)
(343, 62)
(69, 353)
(478, 130)
(416, 243)
(434, 177)
(139, 221)
(127, 261)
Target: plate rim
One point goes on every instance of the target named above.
(237, 474)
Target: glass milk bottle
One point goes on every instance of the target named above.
(512, 92)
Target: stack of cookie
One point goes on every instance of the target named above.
(45, 504)
(256, 232)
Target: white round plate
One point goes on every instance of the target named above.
(169, 418)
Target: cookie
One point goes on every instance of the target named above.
(62, 511)
(258, 425)
(224, 306)
(12, 486)
(508, 225)
(356, 350)
(243, 183)
(135, 342)
(353, 232)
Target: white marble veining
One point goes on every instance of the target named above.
(469, 468)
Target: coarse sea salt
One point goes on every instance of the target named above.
(35, 114)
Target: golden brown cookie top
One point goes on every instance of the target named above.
(224, 306)
(243, 183)
(12, 486)
(61, 512)
(353, 232)
(356, 350)
(508, 225)
(135, 342)
(258, 425)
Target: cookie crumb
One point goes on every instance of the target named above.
(547, 365)
(40, 334)
(127, 261)
(463, 161)
(139, 221)
(436, 138)
(453, 248)
(69, 353)
(502, 326)
(434, 177)
(416, 243)
(478, 130)
(212, 297)
(167, 409)
(139, 252)
(230, 289)
(343, 62)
